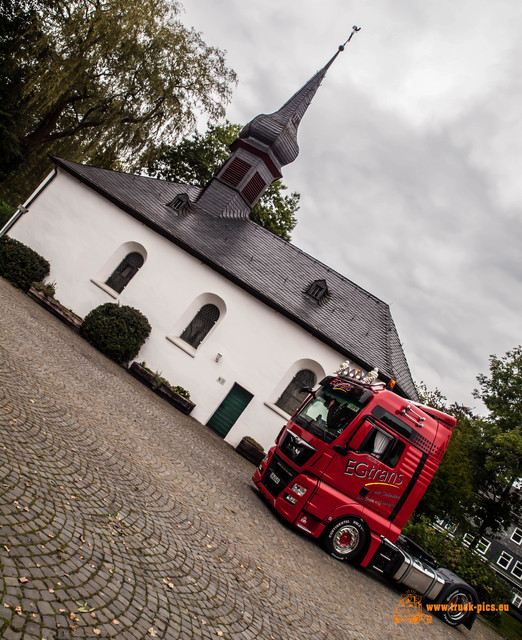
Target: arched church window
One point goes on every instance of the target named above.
(125, 271)
(292, 396)
(201, 324)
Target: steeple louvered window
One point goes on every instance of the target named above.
(125, 271)
(200, 325)
(255, 185)
(235, 172)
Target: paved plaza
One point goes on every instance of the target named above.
(122, 518)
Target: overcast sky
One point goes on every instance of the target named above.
(410, 161)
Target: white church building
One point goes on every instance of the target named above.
(240, 318)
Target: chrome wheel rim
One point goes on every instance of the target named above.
(346, 539)
(456, 606)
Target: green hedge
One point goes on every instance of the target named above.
(450, 553)
(118, 332)
(21, 265)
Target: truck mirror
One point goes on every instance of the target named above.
(307, 390)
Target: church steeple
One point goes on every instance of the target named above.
(278, 130)
(264, 146)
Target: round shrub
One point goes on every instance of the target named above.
(118, 332)
(21, 265)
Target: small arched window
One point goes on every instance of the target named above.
(292, 396)
(125, 271)
(201, 324)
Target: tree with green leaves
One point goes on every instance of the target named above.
(498, 453)
(6, 213)
(195, 160)
(17, 17)
(102, 81)
(474, 486)
(450, 493)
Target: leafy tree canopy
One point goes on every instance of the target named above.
(474, 486)
(100, 81)
(449, 494)
(498, 459)
(501, 391)
(195, 160)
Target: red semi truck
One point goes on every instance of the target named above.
(350, 467)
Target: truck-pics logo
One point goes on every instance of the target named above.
(380, 476)
(409, 609)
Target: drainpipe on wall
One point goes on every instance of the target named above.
(24, 208)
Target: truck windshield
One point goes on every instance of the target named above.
(331, 409)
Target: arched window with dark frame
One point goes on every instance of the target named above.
(292, 396)
(200, 325)
(125, 271)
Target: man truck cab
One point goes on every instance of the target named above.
(351, 466)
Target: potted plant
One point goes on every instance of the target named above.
(44, 295)
(175, 395)
(251, 450)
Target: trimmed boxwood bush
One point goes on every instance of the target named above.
(118, 332)
(20, 264)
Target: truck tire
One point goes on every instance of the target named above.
(457, 599)
(345, 539)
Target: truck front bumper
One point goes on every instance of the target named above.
(288, 492)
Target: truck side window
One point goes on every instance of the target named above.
(382, 445)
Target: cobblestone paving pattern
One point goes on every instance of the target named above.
(122, 518)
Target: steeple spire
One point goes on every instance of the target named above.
(264, 146)
(278, 130)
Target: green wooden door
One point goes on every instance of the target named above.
(229, 410)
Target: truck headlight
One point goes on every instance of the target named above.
(297, 488)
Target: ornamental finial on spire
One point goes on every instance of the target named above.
(355, 29)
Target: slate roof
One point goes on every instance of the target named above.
(352, 321)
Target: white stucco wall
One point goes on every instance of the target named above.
(84, 237)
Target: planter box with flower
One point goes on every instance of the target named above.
(44, 295)
(176, 396)
(251, 450)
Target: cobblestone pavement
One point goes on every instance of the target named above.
(122, 518)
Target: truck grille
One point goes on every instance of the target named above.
(277, 476)
(295, 448)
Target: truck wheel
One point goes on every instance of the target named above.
(346, 539)
(457, 601)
